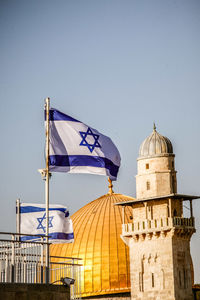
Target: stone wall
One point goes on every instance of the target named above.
(21, 291)
(152, 268)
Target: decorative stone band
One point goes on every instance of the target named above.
(158, 225)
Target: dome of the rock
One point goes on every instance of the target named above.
(97, 230)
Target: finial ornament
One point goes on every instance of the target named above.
(110, 186)
(154, 126)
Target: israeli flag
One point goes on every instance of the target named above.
(77, 148)
(33, 221)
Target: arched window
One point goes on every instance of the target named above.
(179, 275)
(162, 279)
(141, 287)
(175, 213)
(185, 278)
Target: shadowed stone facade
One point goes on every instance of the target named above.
(25, 291)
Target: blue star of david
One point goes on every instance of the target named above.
(40, 220)
(84, 141)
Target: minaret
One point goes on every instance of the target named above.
(159, 236)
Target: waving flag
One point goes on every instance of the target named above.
(77, 148)
(33, 221)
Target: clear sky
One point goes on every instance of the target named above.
(116, 65)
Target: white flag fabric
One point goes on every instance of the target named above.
(33, 221)
(77, 148)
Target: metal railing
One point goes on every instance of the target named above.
(25, 262)
(62, 267)
(22, 261)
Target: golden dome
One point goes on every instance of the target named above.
(97, 229)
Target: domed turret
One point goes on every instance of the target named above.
(155, 144)
(97, 229)
(156, 171)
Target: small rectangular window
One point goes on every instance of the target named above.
(152, 280)
(148, 185)
(147, 166)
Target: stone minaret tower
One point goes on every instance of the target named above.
(159, 236)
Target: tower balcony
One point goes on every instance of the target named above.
(158, 225)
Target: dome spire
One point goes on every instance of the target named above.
(154, 126)
(110, 186)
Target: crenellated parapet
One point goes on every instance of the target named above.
(159, 228)
(157, 225)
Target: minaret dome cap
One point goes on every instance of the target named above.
(155, 144)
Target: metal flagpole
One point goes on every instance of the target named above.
(18, 217)
(47, 105)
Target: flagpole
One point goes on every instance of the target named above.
(18, 218)
(47, 105)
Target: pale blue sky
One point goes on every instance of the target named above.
(116, 65)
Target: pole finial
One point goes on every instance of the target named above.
(46, 102)
(154, 126)
(110, 186)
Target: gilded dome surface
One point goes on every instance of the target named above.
(155, 144)
(97, 230)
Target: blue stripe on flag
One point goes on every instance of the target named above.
(56, 115)
(31, 209)
(61, 236)
(53, 236)
(83, 160)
